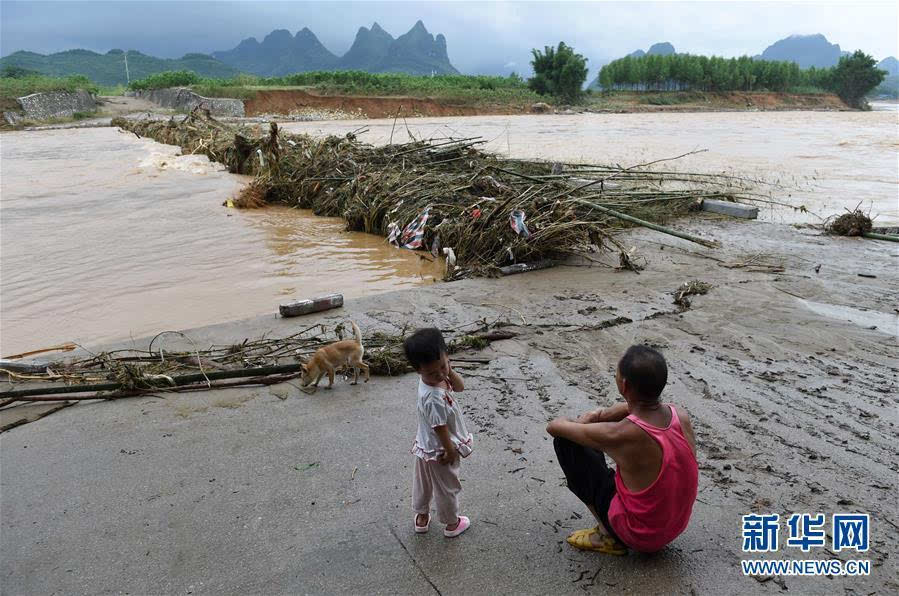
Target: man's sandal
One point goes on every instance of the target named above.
(608, 545)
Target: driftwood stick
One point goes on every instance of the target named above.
(647, 224)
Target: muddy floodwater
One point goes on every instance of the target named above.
(105, 236)
(825, 161)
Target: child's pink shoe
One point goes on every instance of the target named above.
(464, 524)
(421, 529)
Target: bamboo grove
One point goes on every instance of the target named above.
(686, 72)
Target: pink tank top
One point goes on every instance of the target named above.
(651, 518)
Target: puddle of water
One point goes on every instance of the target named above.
(885, 323)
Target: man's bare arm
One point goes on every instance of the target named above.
(604, 436)
(612, 413)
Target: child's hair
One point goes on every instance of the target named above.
(424, 346)
(645, 370)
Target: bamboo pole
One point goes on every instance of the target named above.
(646, 224)
(263, 380)
(179, 381)
(876, 236)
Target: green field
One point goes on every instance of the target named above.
(462, 87)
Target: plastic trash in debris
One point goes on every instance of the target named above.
(413, 234)
(524, 267)
(393, 231)
(296, 308)
(516, 220)
(450, 259)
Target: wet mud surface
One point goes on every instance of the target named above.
(787, 366)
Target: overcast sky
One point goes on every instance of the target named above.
(481, 36)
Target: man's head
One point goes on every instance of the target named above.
(426, 352)
(642, 375)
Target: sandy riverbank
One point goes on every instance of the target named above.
(791, 379)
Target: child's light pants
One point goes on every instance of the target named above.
(433, 479)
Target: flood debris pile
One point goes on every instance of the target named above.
(851, 223)
(264, 361)
(446, 195)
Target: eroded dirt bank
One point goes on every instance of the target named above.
(287, 101)
(791, 379)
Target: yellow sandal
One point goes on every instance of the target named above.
(608, 545)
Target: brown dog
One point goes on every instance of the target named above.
(347, 352)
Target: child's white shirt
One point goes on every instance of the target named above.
(438, 407)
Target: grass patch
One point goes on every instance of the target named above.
(667, 99)
(12, 87)
(112, 90)
(468, 88)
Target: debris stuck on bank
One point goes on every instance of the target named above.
(851, 223)
(262, 361)
(446, 193)
(690, 288)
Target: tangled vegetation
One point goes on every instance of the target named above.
(445, 193)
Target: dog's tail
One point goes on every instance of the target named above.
(356, 333)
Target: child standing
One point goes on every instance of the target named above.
(442, 437)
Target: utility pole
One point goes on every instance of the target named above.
(127, 74)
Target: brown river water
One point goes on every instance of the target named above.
(105, 236)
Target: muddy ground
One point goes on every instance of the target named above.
(790, 377)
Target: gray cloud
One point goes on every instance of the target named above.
(481, 36)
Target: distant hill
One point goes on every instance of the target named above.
(374, 50)
(890, 85)
(663, 48)
(890, 64)
(804, 50)
(109, 68)
(368, 51)
(418, 52)
(280, 53)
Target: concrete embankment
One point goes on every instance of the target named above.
(55, 104)
(184, 99)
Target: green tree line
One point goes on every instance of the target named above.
(851, 79)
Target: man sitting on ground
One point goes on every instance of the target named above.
(646, 503)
